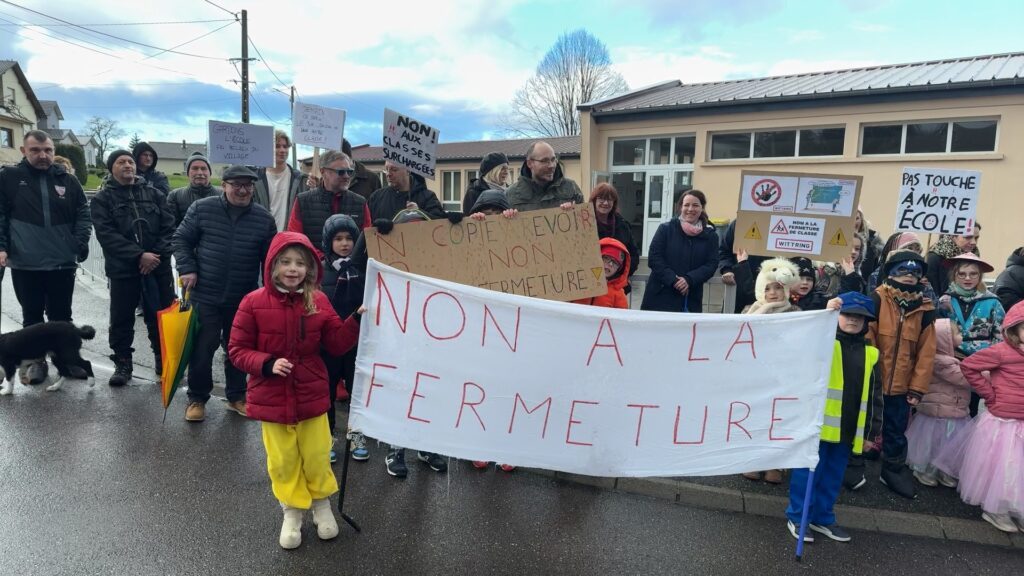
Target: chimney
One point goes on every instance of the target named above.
(182, 144)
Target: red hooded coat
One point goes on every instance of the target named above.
(272, 324)
(616, 295)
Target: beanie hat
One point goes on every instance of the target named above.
(904, 262)
(197, 156)
(613, 252)
(338, 223)
(906, 239)
(492, 161)
(115, 155)
(492, 199)
(858, 304)
(805, 266)
(777, 270)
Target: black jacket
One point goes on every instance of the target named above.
(389, 201)
(343, 286)
(621, 231)
(938, 274)
(44, 218)
(1009, 286)
(153, 177)
(227, 255)
(129, 220)
(672, 253)
(180, 199)
(476, 187)
(727, 263)
(365, 181)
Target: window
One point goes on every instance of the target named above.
(778, 143)
(9, 97)
(660, 149)
(930, 137)
(471, 175)
(451, 195)
(6, 138)
(685, 147)
(628, 152)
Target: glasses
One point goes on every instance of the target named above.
(552, 160)
(968, 275)
(241, 185)
(341, 171)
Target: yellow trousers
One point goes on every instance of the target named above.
(298, 460)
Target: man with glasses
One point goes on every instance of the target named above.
(277, 187)
(219, 249)
(404, 190)
(542, 184)
(313, 207)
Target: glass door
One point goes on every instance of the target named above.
(658, 205)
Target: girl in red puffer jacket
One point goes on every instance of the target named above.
(989, 456)
(276, 339)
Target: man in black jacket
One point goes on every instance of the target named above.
(44, 233)
(219, 250)
(197, 168)
(145, 167)
(134, 227)
(404, 190)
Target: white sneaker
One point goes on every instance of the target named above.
(1000, 521)
(947, 480)
(291, 528)
(926, 479)
(323, 517)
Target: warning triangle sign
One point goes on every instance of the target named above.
(597, 272)
(838, 239)
(754, 233)
(780, 228)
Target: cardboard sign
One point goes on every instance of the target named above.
(789, 214)
(410, 143)
(479, 375)
(938, 201)
(319, 126)
(551, 254)
(247, 144)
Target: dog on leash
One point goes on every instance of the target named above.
(61, 341)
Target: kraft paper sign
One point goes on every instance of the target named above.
(551, 254)
(791, 213)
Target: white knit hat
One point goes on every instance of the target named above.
(778, 270)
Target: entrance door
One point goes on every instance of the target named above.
(658, 204)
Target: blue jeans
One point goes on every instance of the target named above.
(828, 479)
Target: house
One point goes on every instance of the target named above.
(458, 163)
(92, 148)
(19, 111)
(961, 113)
(50, 123)
(172, 156)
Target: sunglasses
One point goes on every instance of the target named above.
(341, 171)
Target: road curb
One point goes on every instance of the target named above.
(857, 517)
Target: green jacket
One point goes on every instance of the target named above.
(526, 194)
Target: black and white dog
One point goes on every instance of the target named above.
(62, 341)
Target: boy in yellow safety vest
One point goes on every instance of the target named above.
(851, 399)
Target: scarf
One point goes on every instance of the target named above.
(965, 295)
(691, 229)
(337, 263)
(605, 229)
(907, 296)
(495, 185)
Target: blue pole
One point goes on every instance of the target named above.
(803, 516)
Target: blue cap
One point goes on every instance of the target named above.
(857, 303)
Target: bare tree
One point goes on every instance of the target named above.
(577, 69)
(105, 131)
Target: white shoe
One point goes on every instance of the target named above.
(323, 517)
(926, 479)
(947, 480)
(291, 528)
(1000, 521)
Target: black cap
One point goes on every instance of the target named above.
(901, 256)
(114, 156)
(805, 266)
(237, 172)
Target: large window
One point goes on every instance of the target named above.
(929, 137)
(778, 143)
(451, 194)
(6, 138)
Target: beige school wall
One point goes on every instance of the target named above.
(1001, 203)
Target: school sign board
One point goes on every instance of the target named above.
(551, 254)
(240, 143)
(480, 375)
(410, 143)
(938, 201)
(318, 126)
(797, 214)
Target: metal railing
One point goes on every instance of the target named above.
(719, 297)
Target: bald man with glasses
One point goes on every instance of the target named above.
(313, 207)
(542, 184)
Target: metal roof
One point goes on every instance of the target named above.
(568, 146)
(958, 73)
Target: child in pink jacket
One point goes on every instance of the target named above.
(942, 413)
(989, 456)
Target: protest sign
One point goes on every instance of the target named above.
(410, 143)
(789, 213)
(239, 143)
(552, 254)
(938, 201)
(318, 126)
(481, 375)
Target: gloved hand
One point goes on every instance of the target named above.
(383, 225)
(454, 217)
(83, 252)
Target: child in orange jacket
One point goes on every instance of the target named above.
(615, 257)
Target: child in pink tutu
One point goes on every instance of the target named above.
(988, 457)
(942, 412)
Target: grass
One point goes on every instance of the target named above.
(175, 180)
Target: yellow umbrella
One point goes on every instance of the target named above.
(178, 327)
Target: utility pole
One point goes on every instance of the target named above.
(292, 100)
(245, 66)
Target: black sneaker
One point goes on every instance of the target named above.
(794, 530)
(36, 372)
(899, 479)
(834, 531)
(854, 478)
(395, 462)
(122, 371)
(435, 461)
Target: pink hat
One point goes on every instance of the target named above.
(969, 258)
(906, 239)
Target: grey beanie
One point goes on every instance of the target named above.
(197, 157)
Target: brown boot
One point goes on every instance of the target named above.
(773, 476)
(195, 412)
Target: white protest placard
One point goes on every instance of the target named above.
(482, 375)
(760, 193)
(938, 201)
(826, 196)
(410, 143)
(318, 126)
(239, 143)
(796, 234)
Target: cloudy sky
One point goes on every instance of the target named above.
(452, 63)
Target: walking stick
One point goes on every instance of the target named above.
(344, 486)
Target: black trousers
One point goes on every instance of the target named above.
(41, 291)
(124, 296)
(214, 330)
(341, 368)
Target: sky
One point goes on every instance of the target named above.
(454, 64)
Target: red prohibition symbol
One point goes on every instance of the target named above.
(766, 192)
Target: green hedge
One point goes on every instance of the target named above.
(77, 157)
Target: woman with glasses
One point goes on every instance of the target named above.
(611, 224)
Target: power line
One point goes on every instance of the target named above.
(264, 61)
(109, 35)
(136, 23)
(221, 7)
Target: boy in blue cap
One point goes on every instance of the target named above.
(848, 409)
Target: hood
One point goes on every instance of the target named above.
(143, 147)
(338, 223)
(944, 337)
(778, 270)
(281, 241)
(1013, 317)
(615, 249)
(525, 172)
(1015, 259)
(487, 198)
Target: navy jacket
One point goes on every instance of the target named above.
(672, 253)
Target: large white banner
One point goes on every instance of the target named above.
(481, 375)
